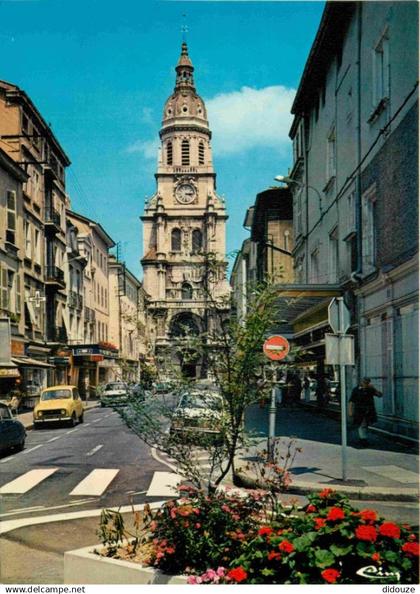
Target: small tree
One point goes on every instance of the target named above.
(232, 350)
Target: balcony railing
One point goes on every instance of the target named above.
(52, 218)
(54, 274)
(90, 315)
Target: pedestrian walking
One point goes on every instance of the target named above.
(362, 408)
(321, 391)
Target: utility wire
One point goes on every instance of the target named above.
(351, 177)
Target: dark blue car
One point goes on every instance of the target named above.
(12, 432)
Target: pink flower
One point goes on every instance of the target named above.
(192, 579)
(220, 571)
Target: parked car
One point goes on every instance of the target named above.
(198, 413)
(12, 432)
(115, 394)
(59, 404)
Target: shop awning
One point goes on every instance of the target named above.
(302, 307)
(28, 362)
(9, 370)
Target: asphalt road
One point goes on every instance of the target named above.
(101, 451)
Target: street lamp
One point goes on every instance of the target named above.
(285, 179)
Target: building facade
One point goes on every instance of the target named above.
(183, 227)
(29, 141)
(355, 187)
(127, 325)
(94, 356)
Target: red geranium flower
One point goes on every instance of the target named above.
(319, 523)
(265, 530)
(376, 557)
(286, 546)
(330, 575)
(335, 513)
(411, 548)
(389, 529)
(310, 509)
(325, 493)
(369, 515)
(366, 533)
(273, 555)
(238, 574)
(170, 550)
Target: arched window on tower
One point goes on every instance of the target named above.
(197, 241)
(187, 292)
(176, 240)
(201, 153)
(169, 153)
(185, 152)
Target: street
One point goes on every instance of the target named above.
(99, 463)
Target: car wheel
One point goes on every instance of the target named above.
(73, 420)
(36, 426)
(20, 445)
(81, 418)
(102, 405)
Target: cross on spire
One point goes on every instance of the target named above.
(184, 28)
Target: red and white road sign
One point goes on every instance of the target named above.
(276, 347)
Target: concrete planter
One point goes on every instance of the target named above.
(82, 566)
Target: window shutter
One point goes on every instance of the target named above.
(11, 210)
(4, 289)
(18, 294)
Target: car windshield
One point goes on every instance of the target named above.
(115, 386)
(199, 400)
(5, 413)
(56, 394)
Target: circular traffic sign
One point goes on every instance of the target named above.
(276, 347)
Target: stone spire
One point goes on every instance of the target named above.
(184, 70)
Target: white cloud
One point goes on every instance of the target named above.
(250, 118)
(240, 121)
(148, 148)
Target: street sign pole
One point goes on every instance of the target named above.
(342, 331)
(275, 348)
(272, 419)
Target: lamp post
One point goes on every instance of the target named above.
(289, 180)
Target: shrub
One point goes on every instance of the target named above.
(331, 542)
(199, 531)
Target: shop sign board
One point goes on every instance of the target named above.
(18, 348)
(276, 347)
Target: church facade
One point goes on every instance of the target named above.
(184, 231)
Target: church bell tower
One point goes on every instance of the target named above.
(183, 227)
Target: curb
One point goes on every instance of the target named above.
(362, 493)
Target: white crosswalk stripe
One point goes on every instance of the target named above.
(96, 482)
(27, 481)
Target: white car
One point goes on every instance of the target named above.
(198, 412)
(114, 394)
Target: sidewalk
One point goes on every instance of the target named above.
(26, 418)
(386, 470)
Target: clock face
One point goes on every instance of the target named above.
(185, 193)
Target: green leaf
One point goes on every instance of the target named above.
(364, 549)
(324, 558)
(340, 551)
(304, 542)
(406, 563)
(390, 556)
(267, 572)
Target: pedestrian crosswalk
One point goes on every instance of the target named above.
(27, 481)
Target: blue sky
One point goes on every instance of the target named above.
(100, 72)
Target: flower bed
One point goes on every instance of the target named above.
(226, 538)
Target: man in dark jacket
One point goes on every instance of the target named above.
(362, 408)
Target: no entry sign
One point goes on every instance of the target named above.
(276, 348)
